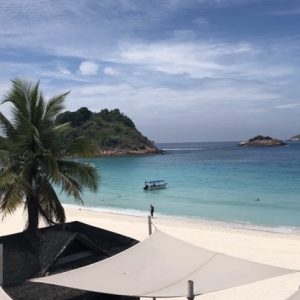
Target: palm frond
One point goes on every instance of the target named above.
(6, 126)
(12, 193)
(62, 129)
(5, 157)
(86, 174)
(50, 206)
(33, 99)
(82, 146)
(55, 106)
(49, 166)
(18, 96)
(7, 176)
(70, 186)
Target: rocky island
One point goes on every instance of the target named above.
(295, 138)
(113, 132)
(262, 141)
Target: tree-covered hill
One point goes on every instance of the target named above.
(112, 131)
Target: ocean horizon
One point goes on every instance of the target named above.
(213, 181)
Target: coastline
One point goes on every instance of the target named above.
(129, 152)
(282, 229)
(273, 248)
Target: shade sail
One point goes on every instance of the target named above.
(160, 266)
(3, 295)
(295, 296)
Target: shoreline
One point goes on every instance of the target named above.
(281, 229)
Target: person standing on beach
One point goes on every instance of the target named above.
(151, 210)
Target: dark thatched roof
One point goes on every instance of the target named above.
(38, 291)
(52, 250)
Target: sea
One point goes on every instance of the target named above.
(212, 181)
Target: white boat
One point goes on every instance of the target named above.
(154, 185)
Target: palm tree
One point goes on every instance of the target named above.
(34, 157)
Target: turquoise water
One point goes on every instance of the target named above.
(214, 181)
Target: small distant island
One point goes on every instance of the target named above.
(295, 138)
(262, 141)
(113, 132)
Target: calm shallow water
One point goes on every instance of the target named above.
(215, 181)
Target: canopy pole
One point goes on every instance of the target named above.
(191, 295)
(150, 232)
(149, 225)
(1, 265)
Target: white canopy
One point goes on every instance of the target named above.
(295, 296)
(3, 295)
(160, 266)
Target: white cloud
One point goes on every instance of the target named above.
(200, 59)
(201, 21)
(288, 105)
(172, 58)
(64, 70)
(286, 12)
(108, 90)
(88, 68)
(111, 71)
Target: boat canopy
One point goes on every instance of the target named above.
(154, 181)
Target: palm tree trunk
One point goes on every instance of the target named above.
(32, 213)
(32, 203)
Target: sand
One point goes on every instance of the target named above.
(277, 249)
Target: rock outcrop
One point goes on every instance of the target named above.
(262, 141)
(295, 138)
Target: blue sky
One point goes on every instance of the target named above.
(195, 70)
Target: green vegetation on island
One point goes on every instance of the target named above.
(262, 141)
(112, 132)
(33, 152)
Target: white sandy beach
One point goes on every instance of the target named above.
(276, 249)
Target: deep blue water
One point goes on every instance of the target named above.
(217, 181)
